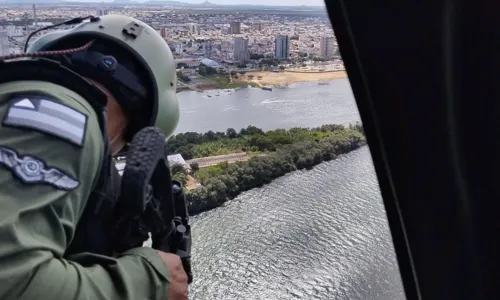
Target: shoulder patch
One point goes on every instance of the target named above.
(48, 116)
(32, 170)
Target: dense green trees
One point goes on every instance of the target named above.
(256, 56)
(182, 77)
(277, 152)
(251, 139)
(206, 71)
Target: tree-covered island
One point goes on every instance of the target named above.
(261, 157)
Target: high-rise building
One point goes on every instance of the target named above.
(241, 52)
(4, 43)
(326, 46)
(235, 28)
(194, 28)
(14, 31)
(163, 32)
(207, 48)
(281, 47)
(257, 26)
(102, 12)
(179, 49)
(35, 21)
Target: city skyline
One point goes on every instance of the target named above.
(210, 46)
(231, 36)
(320, 3)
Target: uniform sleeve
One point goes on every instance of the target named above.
(38, 220)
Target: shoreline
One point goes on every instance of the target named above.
(194, 212)
(287, 77)
(261, 79)
(285, 152)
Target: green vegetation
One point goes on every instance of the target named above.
(182, 77)
(256, 56)
(264, 61)
(208, 71)
(276, 153)
(222, 79)
(270, 62)
(225, 83)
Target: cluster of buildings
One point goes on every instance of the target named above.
(234, 38)
(234, 44)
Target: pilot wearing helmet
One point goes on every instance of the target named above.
(61, 124)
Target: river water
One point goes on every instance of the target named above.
(318, 234)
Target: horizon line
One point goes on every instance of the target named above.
(144, 1)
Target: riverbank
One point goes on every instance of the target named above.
(286, 77)
(285, 151)
(216, 82)
(261, 78)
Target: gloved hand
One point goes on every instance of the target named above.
(178, 279)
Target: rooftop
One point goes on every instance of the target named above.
(172, 160)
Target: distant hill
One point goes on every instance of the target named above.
(170, 3)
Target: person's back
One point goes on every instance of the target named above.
(52, 157)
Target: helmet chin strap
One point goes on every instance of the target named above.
(117, 119)
(117, 143)
(117, 125)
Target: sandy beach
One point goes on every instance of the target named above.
(261, 79)
(273, 78)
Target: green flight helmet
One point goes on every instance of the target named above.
(129, 58)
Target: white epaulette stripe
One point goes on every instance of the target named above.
(60, 111)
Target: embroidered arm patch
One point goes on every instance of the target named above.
(47, 116)
(32, 170)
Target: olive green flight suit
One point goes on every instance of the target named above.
(38, 221)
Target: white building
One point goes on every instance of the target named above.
(241, 52)
(179, 48)
(15, 31)
(102, 12)
(4, 43)
(194, 28)
(175, 159)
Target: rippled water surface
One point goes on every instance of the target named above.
(300, 105)
(317, 234)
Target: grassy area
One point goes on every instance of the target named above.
(234, 85)
(222, 82)
(221, 147)
(257, 144)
